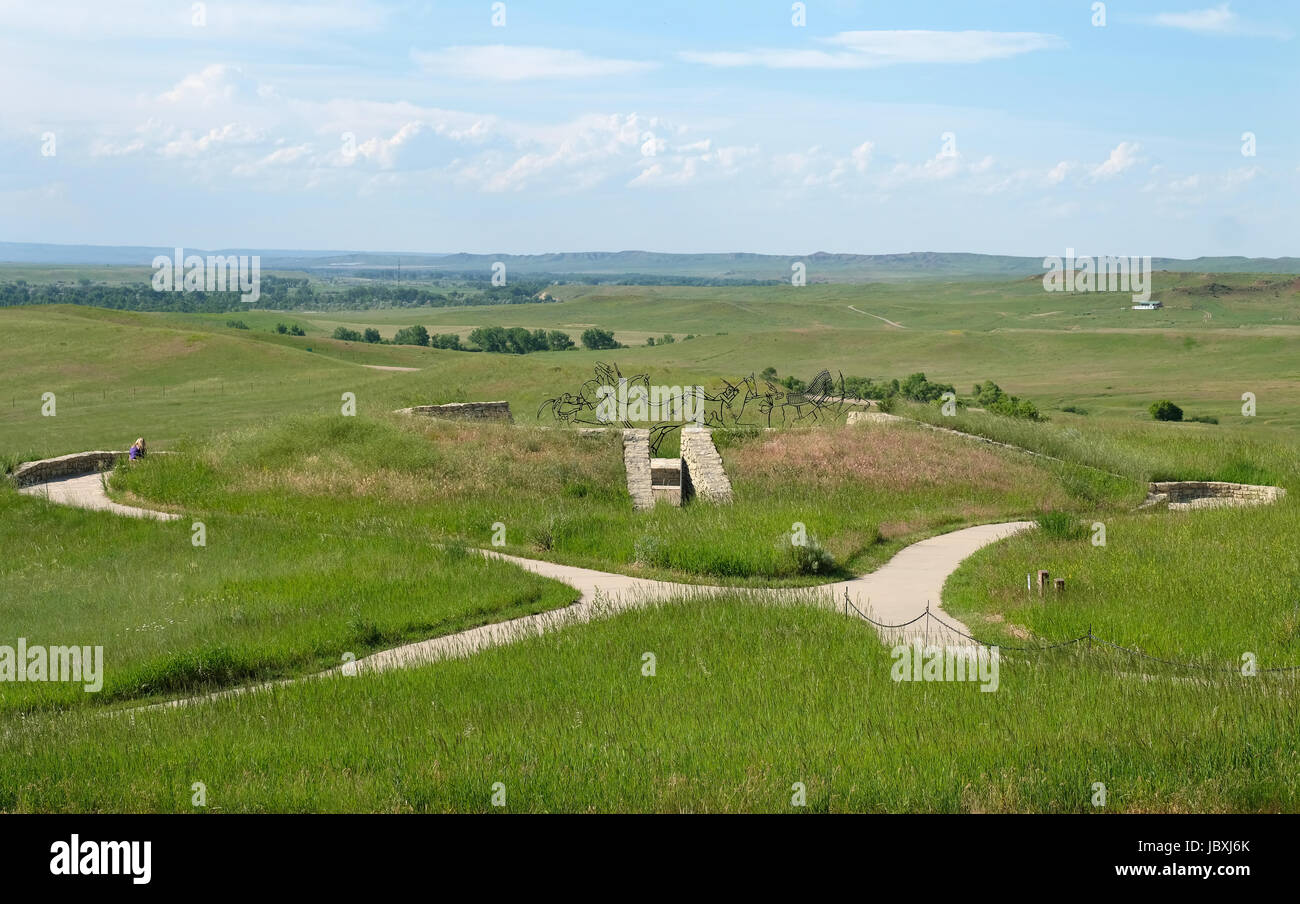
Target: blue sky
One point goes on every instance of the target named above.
(1000, 127)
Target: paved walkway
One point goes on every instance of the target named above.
(87, 491)
(914, 578)
(897, 592)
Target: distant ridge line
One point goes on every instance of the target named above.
(822, 266)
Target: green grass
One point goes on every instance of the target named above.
(746, 701)
(322, 532)
(1201, 586)
(862, 493)
(261, 600)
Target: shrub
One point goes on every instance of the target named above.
(412, 335)
(346, 335)
(237, 324)
(597, 339)
(1203, 419)
(990, 396)
(371, 335)
(296, 330)
(647, 551)
(810, 558)
(919, 389)
(281, 328)
(1165, 410)
(887, 404)
(1061, 526)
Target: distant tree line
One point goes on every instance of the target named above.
(515, 340)
(278, 293)
(536, 282)
(919, 388)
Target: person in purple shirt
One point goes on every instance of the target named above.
(137, 449)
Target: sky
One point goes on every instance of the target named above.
(1166, 127)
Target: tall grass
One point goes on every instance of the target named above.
(862, 493)
(1200, 586)
(746, 700)
(262, 599)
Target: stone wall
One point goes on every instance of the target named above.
(1186, 494)
(464, 411)
(74, 465)
(702, 471)
(868, 417)
(636, 461)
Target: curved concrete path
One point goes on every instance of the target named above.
(897, 592)
(87, 491)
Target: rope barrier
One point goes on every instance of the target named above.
(1042, 648)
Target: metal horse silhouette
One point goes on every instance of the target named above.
(601, 402)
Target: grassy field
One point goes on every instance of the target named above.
(263, 599)
(1200, 587)
(324, 533)
(118, 375)
(745, 702)
(863, 494)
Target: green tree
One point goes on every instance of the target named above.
(490, 338)
(1165, 410)
(597, 339)
(412, 335)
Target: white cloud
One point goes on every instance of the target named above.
(278, 157)
(382, 151)
(186, 145)
(679, 170)
(1056, 175)
(939, 168)
(503, 63)
(252, 20)
(1216, 20)
(1122, 158)
(819, 166)
(215, 83)
(873, 49)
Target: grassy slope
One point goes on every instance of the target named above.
(862, 493)
(567, 722)
(262, 599)
(1203, 586)
(109, 369)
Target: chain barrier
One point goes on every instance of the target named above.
(1042, 648)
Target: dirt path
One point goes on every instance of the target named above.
(878, 317)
